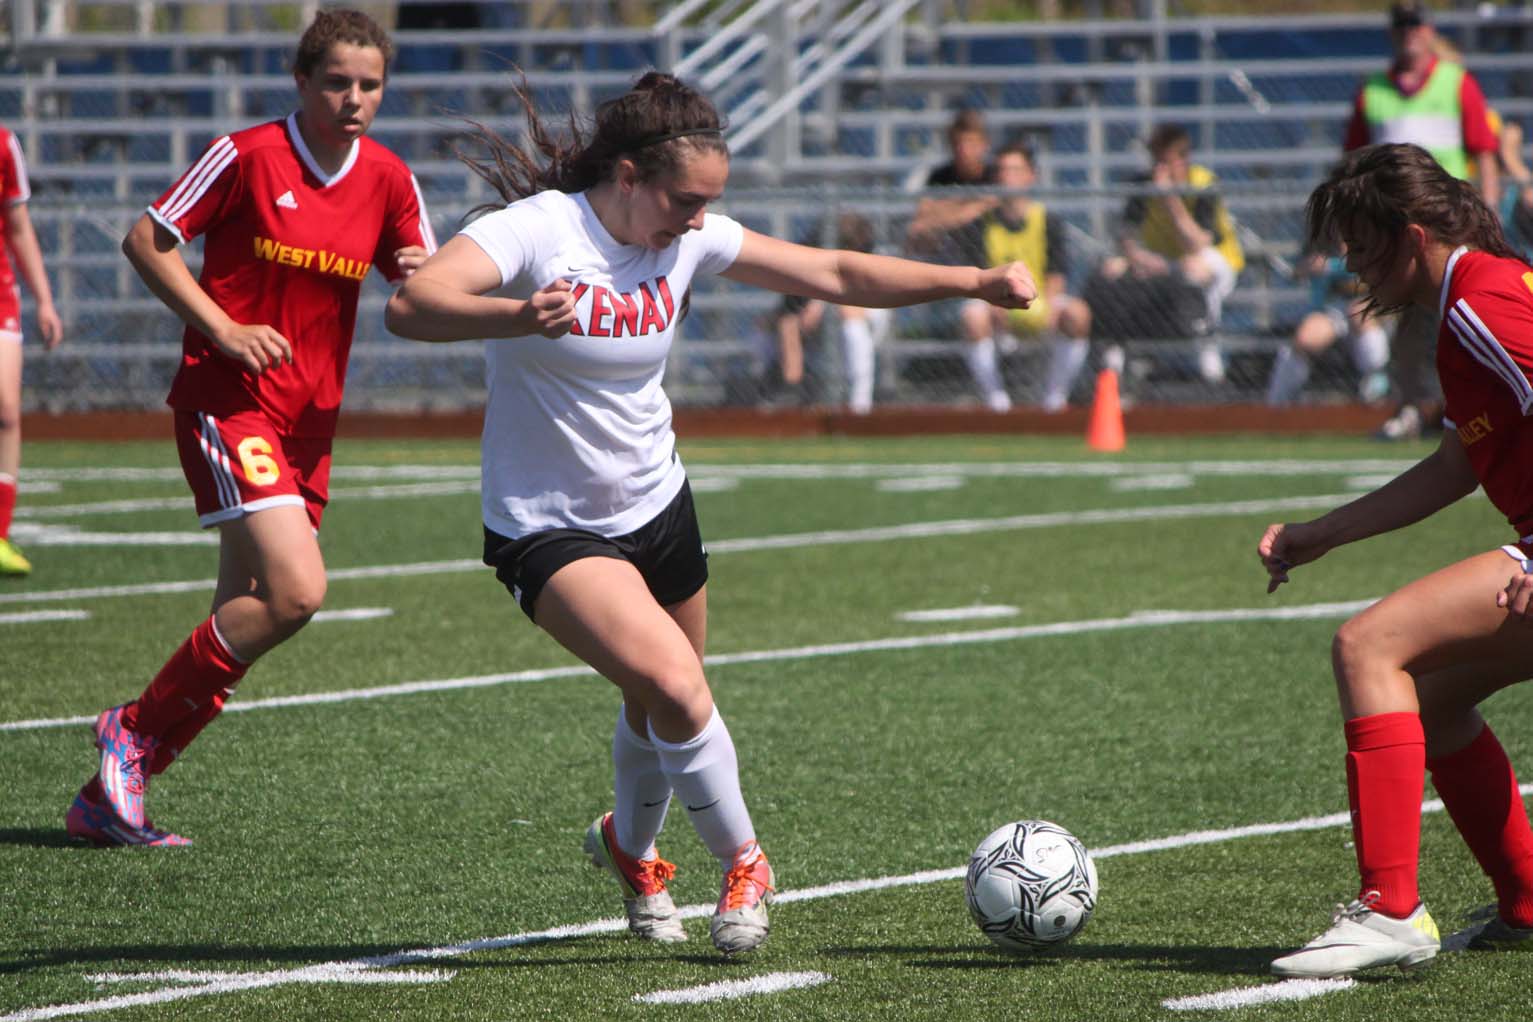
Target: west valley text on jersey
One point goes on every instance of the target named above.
(310, 258)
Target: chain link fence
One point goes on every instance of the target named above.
(123, 345)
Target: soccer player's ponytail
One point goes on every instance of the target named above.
(1377, 191)
(653, 125)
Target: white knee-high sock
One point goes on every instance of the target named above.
(706, 775)
(643, 793)
(1290, 370)
(1066, 357)
(857, 350)
(986, 370)
(1370, 352)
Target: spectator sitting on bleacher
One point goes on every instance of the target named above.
(1337, 312)
(943, 229)
(1517, 190)
(1179, 256)
(1021, 228)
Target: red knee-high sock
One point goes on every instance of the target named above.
(7, 504)
(1386, 772)
(1479, 788)
(182, 732)
(188, 692)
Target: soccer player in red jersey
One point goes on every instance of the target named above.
(18, 246)
(294, 213)
(1412, 669)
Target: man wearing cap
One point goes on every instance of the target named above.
(1435, 103)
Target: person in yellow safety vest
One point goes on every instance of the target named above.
(1020, 227)
(1177, 226)
(1428, 98)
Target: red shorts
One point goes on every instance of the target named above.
(10, 314)
(241, 464)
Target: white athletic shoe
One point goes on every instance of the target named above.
(652, 915)
(740, 921)
(1360, 938)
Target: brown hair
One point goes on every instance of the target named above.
(1019, 148)
(656, 125)
(339, 26)
(1382, 189)
(1164, 137)
(965, 121)
(855, 232)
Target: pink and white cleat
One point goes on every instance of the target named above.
(92, 819)
(125, 759)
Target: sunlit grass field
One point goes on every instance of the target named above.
(409, 848)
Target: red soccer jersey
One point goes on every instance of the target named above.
(14, 189)
(1485, 357)
(287, 245)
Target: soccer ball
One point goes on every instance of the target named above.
(1031, 885)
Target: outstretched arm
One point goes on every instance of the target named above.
(873, 281)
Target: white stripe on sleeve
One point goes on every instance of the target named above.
(1482, 345)
(199, 179)
(19, 159)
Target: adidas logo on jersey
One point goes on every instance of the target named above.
(286, 200)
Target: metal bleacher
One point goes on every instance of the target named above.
(834, 105)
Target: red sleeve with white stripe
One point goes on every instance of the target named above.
(406, 223)
(14, 187)
(1495, 329)
(198, 200)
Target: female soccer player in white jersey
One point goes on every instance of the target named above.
(1412, 669)
(588, 518)
(294, 213)
(19, 256)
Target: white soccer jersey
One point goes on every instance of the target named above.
(577, 432)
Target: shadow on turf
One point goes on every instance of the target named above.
(39, 837)
(569, 952)
(1184, 958)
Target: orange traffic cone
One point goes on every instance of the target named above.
(1104, 429)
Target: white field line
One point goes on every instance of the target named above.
(916, 530)
(976, 612)
(1267, 993)
(72, 535)
(1169, 481)
(1139, 619)
(453, 479)
(332, 971)
(1281, 467)
(332, 974)
(353, 614)
(920, 484)
(27, 617)
(31, 512)
(732, 989)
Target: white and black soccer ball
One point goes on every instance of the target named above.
(1031, 885)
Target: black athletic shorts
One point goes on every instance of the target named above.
(668, 551)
